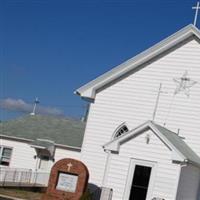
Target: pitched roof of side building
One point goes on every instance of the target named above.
(62, 131)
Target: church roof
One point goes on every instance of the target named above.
(180, 150)
(61, 131)
(89, 90)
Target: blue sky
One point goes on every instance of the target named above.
(50, 48)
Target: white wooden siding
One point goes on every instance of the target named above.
(189, 184)
(132, 100)
(64, 153)
(166, 173)
(61, 153)
(22, 154)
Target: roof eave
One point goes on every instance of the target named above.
(176, 154)
(89, 90)
(25, 140)
(37, 146)
(74, 148)
(114, 145)
(196, 164)
(86, 94)
(19, 139)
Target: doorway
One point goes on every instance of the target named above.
(140, 182)
(140, 179)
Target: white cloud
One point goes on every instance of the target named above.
(18, 105)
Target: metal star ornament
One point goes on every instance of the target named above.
(184, 84)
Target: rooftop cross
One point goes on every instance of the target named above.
(34, 107)
(197, 8)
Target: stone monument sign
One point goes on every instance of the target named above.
(68, 180)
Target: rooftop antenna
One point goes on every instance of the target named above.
(35, 105)
(157, 102)
(197, 8)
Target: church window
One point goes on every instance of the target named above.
(122, 129)
(5, 155)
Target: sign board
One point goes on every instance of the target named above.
(68, 180)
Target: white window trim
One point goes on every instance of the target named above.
(131, 170)
(118, 128)
(1, 152)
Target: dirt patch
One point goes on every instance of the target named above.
(28, 195)
(5, 198)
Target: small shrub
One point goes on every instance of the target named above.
(86, 196)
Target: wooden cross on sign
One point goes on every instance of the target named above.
(197, 8)
(69, 165)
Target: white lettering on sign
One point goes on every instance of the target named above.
(67, 182)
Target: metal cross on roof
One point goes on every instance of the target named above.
(197, 8)
(184, 84)
(35, 104)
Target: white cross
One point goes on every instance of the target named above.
(197, 8)
(69, 165)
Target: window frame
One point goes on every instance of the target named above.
(130, 174)
(118, 129)
(2, 147)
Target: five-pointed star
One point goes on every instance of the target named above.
(184, 84)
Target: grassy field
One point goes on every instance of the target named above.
(28, 195)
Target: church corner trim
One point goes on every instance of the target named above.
(89, 90)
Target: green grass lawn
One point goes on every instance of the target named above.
(21, 194)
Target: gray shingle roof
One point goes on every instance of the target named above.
(62, 131)
(179, 144)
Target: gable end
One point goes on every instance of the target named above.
(181, 37)
(181, 152)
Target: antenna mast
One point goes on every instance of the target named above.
(157, 102)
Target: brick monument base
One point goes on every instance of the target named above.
(68, 180)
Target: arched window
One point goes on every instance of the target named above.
(122, 129)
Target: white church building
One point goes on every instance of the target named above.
(142, 136)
